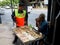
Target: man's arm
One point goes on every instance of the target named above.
(26, 19)
(44, 28)
(13, 16)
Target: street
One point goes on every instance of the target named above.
(34, 14)
(6, 19)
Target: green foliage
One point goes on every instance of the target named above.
(8, 2)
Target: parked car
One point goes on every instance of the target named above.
(2, 11)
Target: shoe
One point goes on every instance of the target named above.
(14, 42)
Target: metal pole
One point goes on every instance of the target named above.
(54, 33)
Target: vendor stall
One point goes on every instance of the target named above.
(27, 35)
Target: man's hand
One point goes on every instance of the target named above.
(37, 22)
(25, 22)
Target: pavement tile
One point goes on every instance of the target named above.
(6, 35)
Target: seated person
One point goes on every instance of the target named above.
(42, 25)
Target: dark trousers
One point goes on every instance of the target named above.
(36, 42)
(15, 39)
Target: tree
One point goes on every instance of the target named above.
(8, 2)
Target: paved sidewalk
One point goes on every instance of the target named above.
(6, 35)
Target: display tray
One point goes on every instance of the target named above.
(25, 34)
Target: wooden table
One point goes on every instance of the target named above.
(27, 35)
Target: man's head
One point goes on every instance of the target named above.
(42, 17)
(21, 6)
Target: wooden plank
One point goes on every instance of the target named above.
(26, 35)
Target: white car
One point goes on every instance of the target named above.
(7, 7)
(2, 11)
(29, 9)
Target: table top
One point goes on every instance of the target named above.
(25, 34)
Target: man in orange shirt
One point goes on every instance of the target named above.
(19, 16)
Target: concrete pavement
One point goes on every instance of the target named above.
(6, 35)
